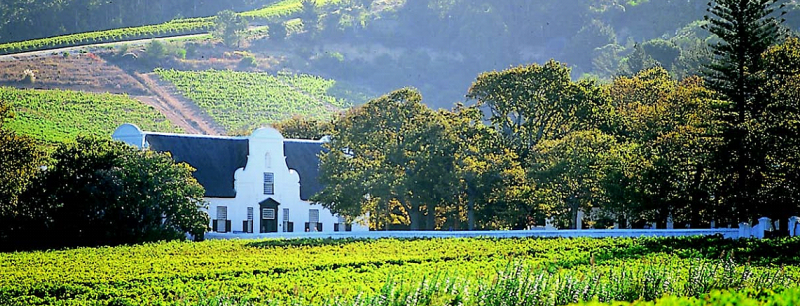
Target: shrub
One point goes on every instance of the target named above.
(180, 53)
(28, 76)
(101, 192)
(248, 61)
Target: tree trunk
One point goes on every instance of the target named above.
(415, 216)
(695, 192)
(430, 223)
(573, 204)
(470, 213)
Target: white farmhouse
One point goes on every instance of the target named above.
(256, 184)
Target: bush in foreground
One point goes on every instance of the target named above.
(101, 192)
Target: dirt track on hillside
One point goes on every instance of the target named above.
(177, 109)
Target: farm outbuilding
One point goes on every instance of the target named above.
(261, 183)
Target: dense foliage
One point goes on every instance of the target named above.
(61, 115)
(394, 272)
(752, 174)
(400, 161)
(20, 158)
(641, 149)
(299, 127)
(102, 192)
(242, 100)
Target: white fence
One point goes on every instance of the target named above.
(745, 230)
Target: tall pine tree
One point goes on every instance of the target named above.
(746, 29)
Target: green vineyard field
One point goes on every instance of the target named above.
(178, 27)
(242, 100)
(172, 28)
(282, 9)
(58, 115)
(405, 272)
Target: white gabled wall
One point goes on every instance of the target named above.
(130, 134)
(267, 155)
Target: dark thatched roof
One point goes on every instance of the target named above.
(216, 159)
(302, 157)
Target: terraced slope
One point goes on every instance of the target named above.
(242, 100)
(59, 115)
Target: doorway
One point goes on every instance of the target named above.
(269, 216)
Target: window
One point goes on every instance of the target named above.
(287, 226)
(268, 214)
(269, 183)
(267, 161)
(249, 213)
(222, 213)
(313, 215)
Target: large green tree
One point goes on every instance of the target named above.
(667, 125)
(101, 192)
(486, 185)
(374, 160)
(230, 27)
(405, 164)
(746, 29)
(570, 172)
(781, 126)
(528, 104)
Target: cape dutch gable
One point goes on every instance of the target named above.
(256, 184)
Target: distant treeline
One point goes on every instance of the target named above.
(439, 45)
(28, 19)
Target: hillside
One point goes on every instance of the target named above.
(350, 51)
(241, 101)
(58, 115)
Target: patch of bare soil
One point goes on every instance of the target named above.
(86, 72)
(91, 73)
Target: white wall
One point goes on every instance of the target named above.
(725, 232)
(267, 155)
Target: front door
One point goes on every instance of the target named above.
(269, 216)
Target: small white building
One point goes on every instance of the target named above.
(256, 184)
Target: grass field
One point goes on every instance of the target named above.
(686, 271)
(242, 100)
(59, 115)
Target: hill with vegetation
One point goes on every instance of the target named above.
(242, 101)
(60, 115)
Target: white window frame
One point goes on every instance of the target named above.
(269, 183)
(268, 213)
(222, 212)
